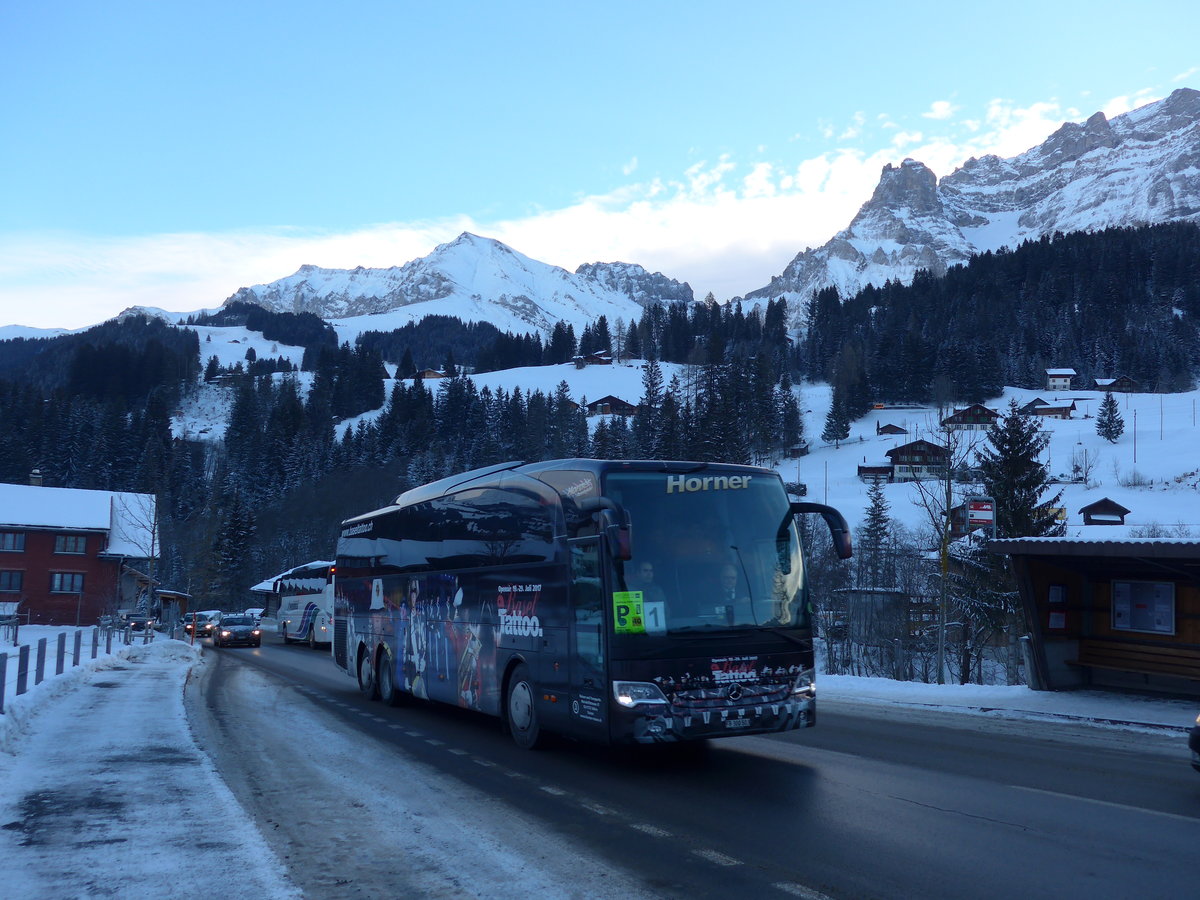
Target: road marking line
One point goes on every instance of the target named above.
(557, 792)
(434, 742)
(1124, 806)
(720, 859)
(650, 830)
(800, 890)
(487, 763)
(597, 808)
(458, 751)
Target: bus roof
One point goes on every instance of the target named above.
(490, 475)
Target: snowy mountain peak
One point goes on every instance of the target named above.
(474, 279)
(1142, 167)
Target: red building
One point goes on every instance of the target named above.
(68, 556)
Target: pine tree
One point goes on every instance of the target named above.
(871, 552)
(837, 424)
(1109, 424)
(1012, 475)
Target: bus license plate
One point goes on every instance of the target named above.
(737, 723)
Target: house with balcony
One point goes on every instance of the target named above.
(975, 417)
(918, 460)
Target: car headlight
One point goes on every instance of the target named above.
(256, 632)
(226, 633)
(634, 693)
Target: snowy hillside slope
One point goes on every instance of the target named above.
(1152, 469)
(473, 278)
(1141, 168)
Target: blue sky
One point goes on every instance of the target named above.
(166, 154)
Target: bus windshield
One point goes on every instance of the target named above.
(712, 551)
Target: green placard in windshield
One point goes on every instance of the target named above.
(628, 617)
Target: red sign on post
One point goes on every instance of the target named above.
(981, 513)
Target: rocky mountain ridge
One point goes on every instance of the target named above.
(1142, 167)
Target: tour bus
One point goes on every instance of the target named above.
(513, 590)
(305, 604)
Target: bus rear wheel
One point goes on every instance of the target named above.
(366, 676)
(522, 711)
(385, 677)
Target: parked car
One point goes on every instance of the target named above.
(1194, 744)
(236, 629)
(139, 623)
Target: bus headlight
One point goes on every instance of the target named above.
(634, 693)
(805, 684)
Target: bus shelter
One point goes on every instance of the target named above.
(1110, 614)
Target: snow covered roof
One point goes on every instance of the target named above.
(1061, 373)
(128, 519)
(316, 567)
(1100, 546)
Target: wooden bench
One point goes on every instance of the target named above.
(1147, 659)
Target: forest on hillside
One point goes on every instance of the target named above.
(93, 410)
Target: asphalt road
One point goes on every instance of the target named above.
(869, 803)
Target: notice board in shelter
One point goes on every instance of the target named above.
(1147, 606)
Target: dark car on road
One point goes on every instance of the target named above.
(1194, 744)
(236, 629)
(201, 623)
(139, 623)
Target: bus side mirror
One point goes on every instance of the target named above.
(839, 531)
(617, 534)
(614, 523)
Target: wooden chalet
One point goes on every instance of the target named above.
(1054, 411)
(592, 359)
(876, 473)
(918, 460)
(889, 429)
(1122, 384)
(611, 405)
(975, 417)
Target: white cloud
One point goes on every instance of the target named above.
(630, 167)
(940, 109)
(1184, 76)
(1120, 105)
(854, 129)
(902, 139)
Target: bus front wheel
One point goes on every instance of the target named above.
(522, 711)
(366, 677)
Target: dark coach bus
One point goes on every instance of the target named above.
(520, 591)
